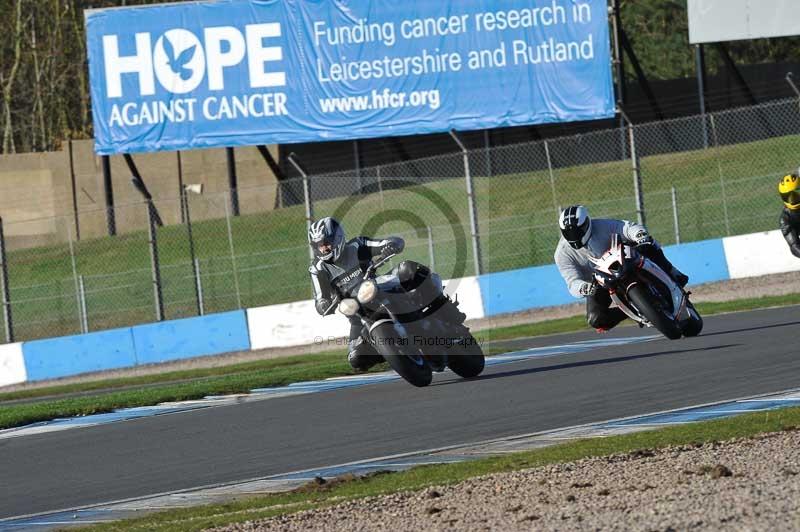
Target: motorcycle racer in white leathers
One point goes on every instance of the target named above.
(583, 237)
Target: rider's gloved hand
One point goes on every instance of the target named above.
(588, 289)
(643, 238)
(328, 305)
(389, 249)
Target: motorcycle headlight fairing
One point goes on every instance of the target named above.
(348, 306)
(367, 291)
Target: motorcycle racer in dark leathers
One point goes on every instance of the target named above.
(340, 264)
(789, 190)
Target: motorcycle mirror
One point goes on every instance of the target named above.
(375, 265)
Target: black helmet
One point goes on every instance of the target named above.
(576, 226)
(326, 238)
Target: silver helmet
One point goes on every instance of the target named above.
(326, 238)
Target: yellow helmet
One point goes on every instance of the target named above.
(789, 189)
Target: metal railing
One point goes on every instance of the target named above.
(465, 212)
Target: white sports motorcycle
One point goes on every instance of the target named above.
(645, 293)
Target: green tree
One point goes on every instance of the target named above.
(659, 34)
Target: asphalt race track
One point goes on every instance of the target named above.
(738, 355)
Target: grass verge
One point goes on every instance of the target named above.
(202, 517)
(184, 385)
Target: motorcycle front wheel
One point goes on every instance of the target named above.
(654, 309)
(403, 357)
(694, 325)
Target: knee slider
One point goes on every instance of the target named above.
(362, 355)
(594, 319)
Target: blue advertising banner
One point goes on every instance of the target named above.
(244, 72)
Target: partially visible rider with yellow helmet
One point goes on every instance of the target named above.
(789, 189)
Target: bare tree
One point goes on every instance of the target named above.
(81, 69)
(7, 82)
(37, 87)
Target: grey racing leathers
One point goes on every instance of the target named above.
(576, 269)
(330, 280)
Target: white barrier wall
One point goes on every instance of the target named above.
(758, 254)
(468, 292)
(298, 323)
(292, 324)
(12, 365)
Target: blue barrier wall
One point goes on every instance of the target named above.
(131, 346)
(515, 290)
(542, 286)
(502, 292)
(70, 355)
(703, 262)
(191, 337)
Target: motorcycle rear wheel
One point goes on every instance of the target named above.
(655, 311)
(466, 360)
(403, 357)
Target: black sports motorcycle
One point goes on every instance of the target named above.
(414, 336)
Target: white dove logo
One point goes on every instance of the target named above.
(179, 61)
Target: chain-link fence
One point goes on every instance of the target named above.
(464, 213)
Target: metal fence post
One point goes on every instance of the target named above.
(82, 302)
(473, 212)
(380, 186)
(181, 190)
(637, 177)
(74, 189)
(192, 254)
(431, 256)
(9, 322)
(154, 262)
(198, 283)
(700, 62)
(357, 160)
(789, 77)
(675, 216)
(306, 198)
(721, 175)
(233, 257)
(487, 142)
(233, 180)
(552, 177)
(111, 219)
(75, 277)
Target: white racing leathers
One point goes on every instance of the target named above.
(574, 264)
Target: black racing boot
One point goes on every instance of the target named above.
(680, 278)
(656, 254)
(448, 311)
(363, 363)
(362, 356)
